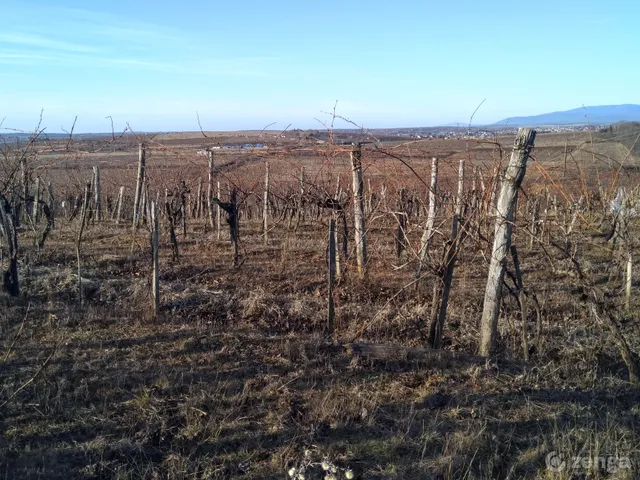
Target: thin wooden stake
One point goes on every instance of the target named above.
(332, 275)
(358, 211)
(97, 194)
(210, 190)
(265, 206)
(431, 215)
(218, 214)
(36, 202)
(628, 281)
(142, 155)
(119, 205)
(155, 287)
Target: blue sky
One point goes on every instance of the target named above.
(246, 64)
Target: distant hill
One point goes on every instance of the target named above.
(599, 115)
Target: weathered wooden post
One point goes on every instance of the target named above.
(210, 189)
(218, 214)
(145, 203)
(142, 155)
(36, 202)
(502, 241)
(83, 221)
(183, 211)
(198, 209)
(155, 287)
(119, 204)
(460, 196)
(337, 253)
(97, 194)
(401, 219)
(358, 210)
(234, 227)
(301, 205)
(25, 188)
(8, 222)
(52, 205)
(628, 281)
(171, 220)
(332, 275)
(265, 206)
(431, 215)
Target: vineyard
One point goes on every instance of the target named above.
(356, 307)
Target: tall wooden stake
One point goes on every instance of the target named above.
(502, 241)
(52, 205)
(332, 275)
(83, 221)
(155, 288)
(210, 190)
(218, 214)
(97, 194)
(431, 215)
(119, 205)
(265, 206)
(358, 211)
(36, 202)
(628, 281)
(142, 155)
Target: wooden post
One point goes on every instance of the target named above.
(142, 155)
(218, 214)
(144, 204)
(198, 212)
(155, 288)
(36, 202)
(460, 196)
(265, 206)
(332, 275)
(8, 220)
(183, 212)
(431, 216)
(83, 221)
(358, 211)
(628, 280)
(96, 193)
(336, 250)
(300, 212)
(210, 190)
(401, 220)
(564, 170)
(234, 227)
(52, 205)
(119, 205)
(502, 241)
(171, 221)
(25, 187)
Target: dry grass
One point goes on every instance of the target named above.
(236, 379)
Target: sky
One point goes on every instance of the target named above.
(158, 65)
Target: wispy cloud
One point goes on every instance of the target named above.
(31, 40)
(250, 67)
(89, 39)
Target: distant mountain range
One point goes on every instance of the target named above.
(599, 115)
